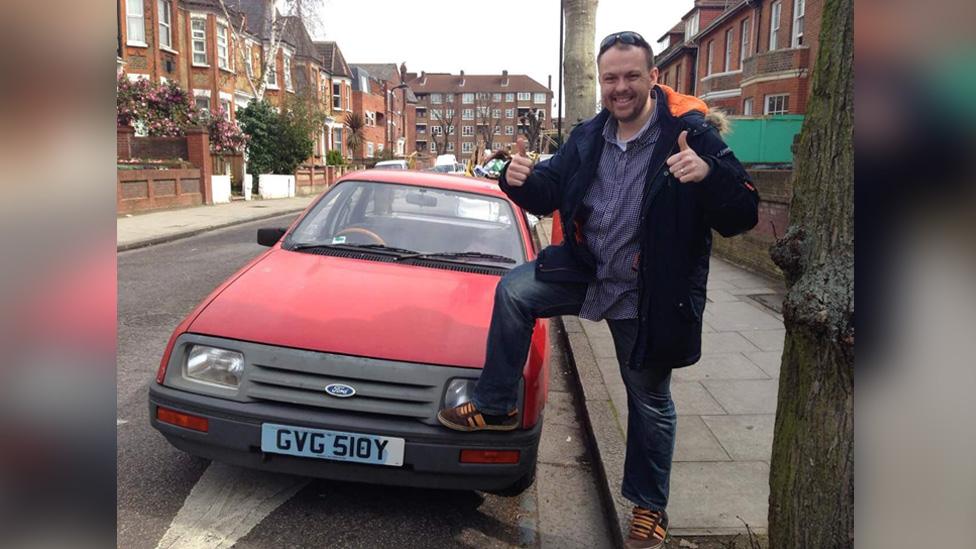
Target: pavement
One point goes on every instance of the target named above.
(726, 403)
(139, 230)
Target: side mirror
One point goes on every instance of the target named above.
(270, 237)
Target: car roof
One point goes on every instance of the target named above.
(429, 179)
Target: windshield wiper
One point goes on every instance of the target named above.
(379, 248)
(461, 255)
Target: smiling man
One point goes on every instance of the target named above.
(639, 188)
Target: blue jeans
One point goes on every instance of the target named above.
(651, 420)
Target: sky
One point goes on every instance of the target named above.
(521, 36)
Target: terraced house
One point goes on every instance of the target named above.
(747, 57)
(218, 51)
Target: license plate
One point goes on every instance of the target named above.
(333, 445)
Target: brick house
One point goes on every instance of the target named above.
(457, 113)
(401, 106)
(337, 79)
(750, 59)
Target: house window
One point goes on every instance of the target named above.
(497, 130)
(691, 27)
(467, 147)
(539, 99)
(450, 146)
(249, 60)
(165, 24)
(747, 106)
(467, 130)
(509, 113)
(777, 104)
(728, 50)
(338, 139)
(433, 147)
(496, 97)
(496, 113)
(467, 98)
(467, 114)
(777, 9)
(436, 130)
(369, 149)
(198, 31)
(450, 130)
(135, 23)
(272, 75)
(448, 97)
(708, 57)
(370, 118)
(436, 98)
(509, 97)
(202, 103)
(450, 114)
(677, 78)
(524, 96)
(437, 114)
(225, 107)
(509, 130)
(223, 59)
(287, 69)
(337, 96)
(746, 39)
(799, 10)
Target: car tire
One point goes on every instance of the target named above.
(517, 487)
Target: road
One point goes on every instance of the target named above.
(169, 499)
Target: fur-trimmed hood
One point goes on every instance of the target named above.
(680, 104)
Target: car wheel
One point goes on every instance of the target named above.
(517, 487)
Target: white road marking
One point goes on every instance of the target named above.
(225, 504)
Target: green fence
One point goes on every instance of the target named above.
(765, 139)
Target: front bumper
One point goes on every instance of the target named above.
(430, 459)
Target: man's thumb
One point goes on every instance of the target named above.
(683, 141)
(520, 146)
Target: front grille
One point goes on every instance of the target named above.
(377, 391)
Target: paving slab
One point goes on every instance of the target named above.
(767, 340)
(769, 361)
(726, 342)
(695, 442)
(720, 366)
(691, 399)
(707, 497)
(739, 316)
(745, 437)
(744, 396)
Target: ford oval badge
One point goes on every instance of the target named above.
(340, 390)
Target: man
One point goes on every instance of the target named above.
(639, 188)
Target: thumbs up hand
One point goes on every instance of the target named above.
(520, 166)
(686, 165)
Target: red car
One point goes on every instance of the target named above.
(330, 354)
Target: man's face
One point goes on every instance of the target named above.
(625, 82)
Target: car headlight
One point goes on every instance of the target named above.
(459, 391)
(213, 365)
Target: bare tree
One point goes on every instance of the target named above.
(811, 477)
(531, 126)
(579, 65)
(270, 34)
(487, 119)
(446, 120)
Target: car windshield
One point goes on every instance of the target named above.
(414, 220)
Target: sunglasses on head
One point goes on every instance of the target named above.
(630, 38)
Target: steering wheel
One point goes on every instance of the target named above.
(361, 231)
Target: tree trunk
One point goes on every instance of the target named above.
(579, 65)
(811, 500)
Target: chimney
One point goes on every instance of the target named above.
(550, 83)
(504, 78)
(423, 78)
(462, 79)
